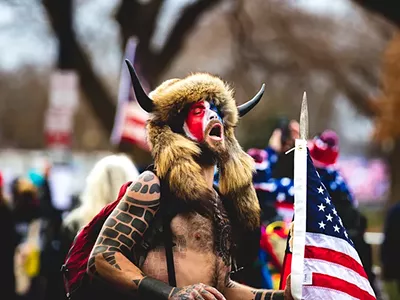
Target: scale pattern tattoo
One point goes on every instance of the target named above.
(128, 222)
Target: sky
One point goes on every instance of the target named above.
(27, 38)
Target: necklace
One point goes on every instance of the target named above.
(223, 232)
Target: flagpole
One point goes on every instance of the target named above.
(124, 90)
(300, 205)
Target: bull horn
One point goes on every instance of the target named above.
(248, 106)
(144, 101)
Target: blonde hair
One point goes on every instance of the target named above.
(102, 187)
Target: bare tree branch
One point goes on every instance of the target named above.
(284, 44)
(96, 94)
(145, 16)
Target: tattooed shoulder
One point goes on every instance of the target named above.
(126, 225)
(145, 189)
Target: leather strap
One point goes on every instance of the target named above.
(168, 251)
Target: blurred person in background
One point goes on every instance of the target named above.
(273, 182)
(26, 206)
(389, 253)
(26, 214)
(8, 234)
(324, 151)
(51, 220)
(40, 178)
(102, 187)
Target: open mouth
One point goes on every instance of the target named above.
(216, 132)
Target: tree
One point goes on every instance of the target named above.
(97, 95)
(387, 106)
(136, 18)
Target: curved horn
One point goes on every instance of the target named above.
(144, 101)
(248, 106)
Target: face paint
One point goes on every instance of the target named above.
(199, 115)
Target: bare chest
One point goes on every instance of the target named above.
(200, 255)
(193, 232)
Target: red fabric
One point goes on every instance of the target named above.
(1, 180)
(259, 155)
(78, 255)
(324, 149)
(286, 205)
(133, 125)
(266, 246)
(326, 281)
(334, 257)
(287, 269)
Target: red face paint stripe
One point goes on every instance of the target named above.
(195, 120)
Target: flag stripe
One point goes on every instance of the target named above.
(285, 205)
(265, 186)
(332, 266)
(130, 118)
(262, 165)
(136, 122)
(353, 290)
(312, 266)
(333, 243)
(334, 257)
(315, 292)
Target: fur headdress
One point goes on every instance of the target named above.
(175, 155)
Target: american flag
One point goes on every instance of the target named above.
(130, 118)
(321, 257)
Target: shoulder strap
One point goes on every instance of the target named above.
(167, 233)
(168, 251)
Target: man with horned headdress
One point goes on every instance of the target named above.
(174, 235)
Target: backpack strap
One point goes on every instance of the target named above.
(169, 254)
(166, 216)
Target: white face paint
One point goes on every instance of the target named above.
(199, 115)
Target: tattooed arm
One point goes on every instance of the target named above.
(236, 291)
(123, 229)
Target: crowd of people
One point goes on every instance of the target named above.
(207, 224)
(37, 236)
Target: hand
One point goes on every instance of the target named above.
(198, 291)
(288, 293)
(275, 140)
(294, 128)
